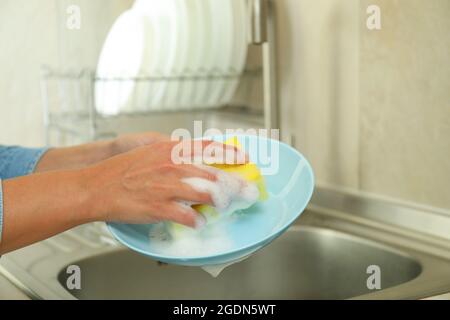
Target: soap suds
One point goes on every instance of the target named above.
(192, 243)
(230, 193)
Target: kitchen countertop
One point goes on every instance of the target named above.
(8, 291)
(360, 220)
(441, 297)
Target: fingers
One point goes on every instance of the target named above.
(207, 152)
(219, 153)
(129, 142)
(187, 193)
(183, 214)
(193, 171)
(152, 137)
(171, 174)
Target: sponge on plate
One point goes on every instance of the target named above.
(254, 190)
(249, 172)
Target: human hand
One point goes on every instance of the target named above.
(145, 186)
(128, 142)
(88, 154)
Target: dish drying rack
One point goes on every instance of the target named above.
(69, 101)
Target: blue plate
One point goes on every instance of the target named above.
(290, 184)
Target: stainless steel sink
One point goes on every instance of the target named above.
(325, 255)
(306, 263)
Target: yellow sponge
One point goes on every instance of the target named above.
(249, 172)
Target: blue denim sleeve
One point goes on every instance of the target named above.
(16, 162)
(1, 210)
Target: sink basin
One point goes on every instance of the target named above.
(324, 255)
(305, 263)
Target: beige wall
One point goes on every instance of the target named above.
(27, 33)
(370, 109)
(318, 74)
(405, 102)
(33, 33)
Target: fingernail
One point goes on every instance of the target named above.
(200, 222)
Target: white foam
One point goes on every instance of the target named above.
(193, 243)
(230, 193)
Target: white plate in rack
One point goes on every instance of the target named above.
(197, 51)
(222, 13)
(182, 58)
(209, 39)
(162, 14)
(122, 57)
(240, 47)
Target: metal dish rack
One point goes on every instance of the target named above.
(68, 96)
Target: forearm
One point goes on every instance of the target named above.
(75, 157)
(87, 154)
(39, 206)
